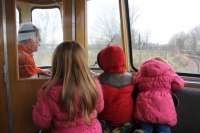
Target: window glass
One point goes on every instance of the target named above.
(168, 29)
(103, 22)
(17, 19)
(50, 25)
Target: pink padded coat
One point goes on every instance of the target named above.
(154, 103)
(47, 112)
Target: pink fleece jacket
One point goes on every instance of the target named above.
(154, 103)
(47, 112)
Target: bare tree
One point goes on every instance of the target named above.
(107, 27)
(178, 42)
(195, 37)
(133, 16)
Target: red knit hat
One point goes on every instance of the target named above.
(112, 59)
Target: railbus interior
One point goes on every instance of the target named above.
(143, 28)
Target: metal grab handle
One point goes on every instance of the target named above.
(39, 131)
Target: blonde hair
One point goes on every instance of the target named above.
(161, 59)
(70, 66)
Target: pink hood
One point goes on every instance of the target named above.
(154, 67)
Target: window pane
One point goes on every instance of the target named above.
(103, 26)
(17, 19)
(50, 25)
(169, 29)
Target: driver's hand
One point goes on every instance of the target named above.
(46, 73)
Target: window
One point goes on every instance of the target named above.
(103, 26)
(17, 19)
(50, 25)
(168, 29)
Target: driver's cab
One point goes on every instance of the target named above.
(47, 16)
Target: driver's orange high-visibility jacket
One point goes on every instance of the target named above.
(27, 67)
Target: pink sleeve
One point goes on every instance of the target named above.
(100, 102)
(177, 82)
(41, 113)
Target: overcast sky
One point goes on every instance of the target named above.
(164, 18)
(160, 19)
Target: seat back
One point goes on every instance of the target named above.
(188, 111)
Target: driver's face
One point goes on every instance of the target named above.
(36, 43)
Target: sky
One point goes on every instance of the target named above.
(164, 18)
(160, 19)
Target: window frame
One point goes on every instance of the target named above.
(45, 7)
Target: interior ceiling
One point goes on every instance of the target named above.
(41, 1)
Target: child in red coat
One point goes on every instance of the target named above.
(117, 89)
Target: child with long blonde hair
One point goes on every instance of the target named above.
(70, 100)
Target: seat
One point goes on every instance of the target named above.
(188, 111)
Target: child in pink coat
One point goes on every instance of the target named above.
(70, 100)
(156, 80)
